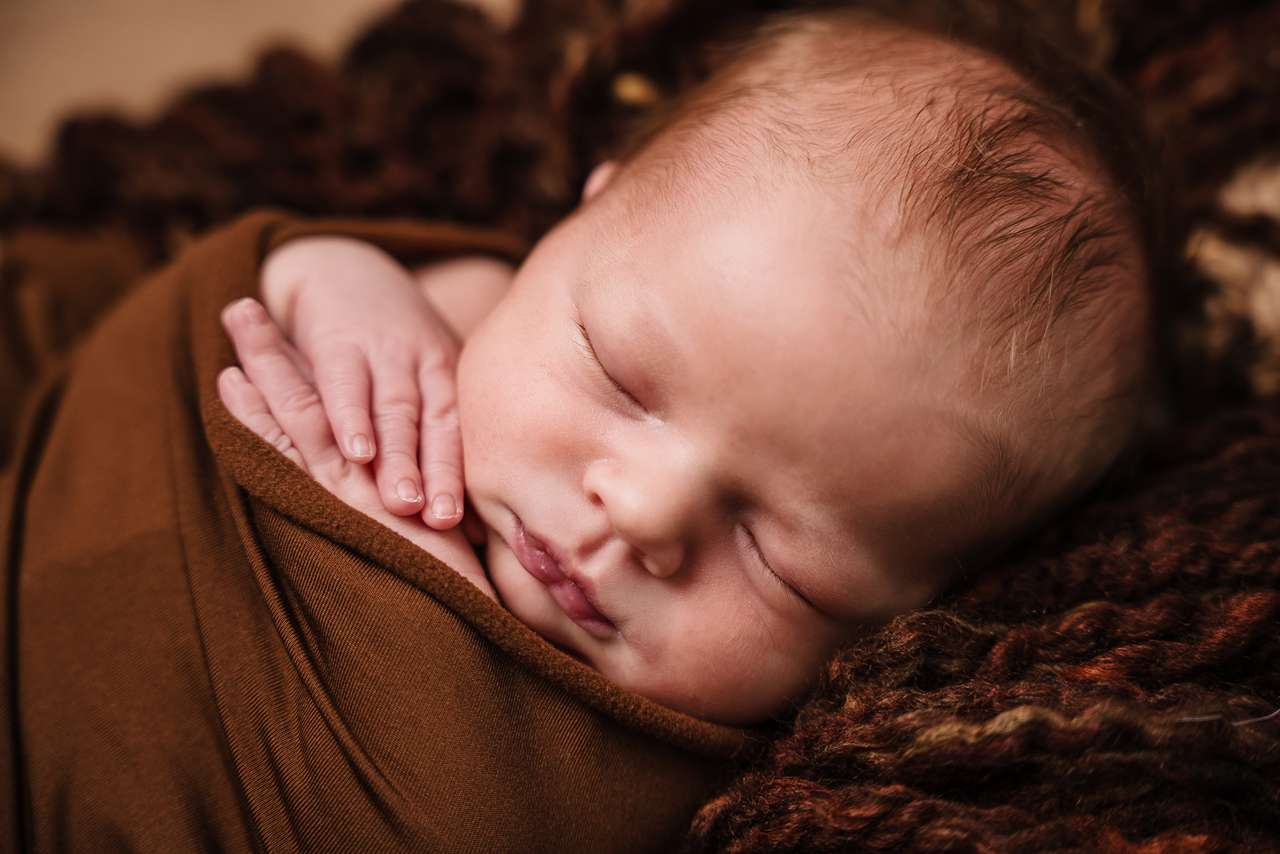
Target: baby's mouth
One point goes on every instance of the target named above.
(538, 562)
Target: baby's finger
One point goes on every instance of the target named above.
(441, 448)
(343, 380)
(395, 424)
(299, 362)
(243, 400)
(267, 363)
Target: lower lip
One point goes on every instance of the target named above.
(542, 566)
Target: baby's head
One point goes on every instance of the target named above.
(861, 311)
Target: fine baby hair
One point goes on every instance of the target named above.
(1027, 214)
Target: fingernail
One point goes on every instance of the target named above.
(408, 491)
(253, 311)
(360, 448)
(444, 507)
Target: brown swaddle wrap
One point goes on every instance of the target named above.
(205, 650)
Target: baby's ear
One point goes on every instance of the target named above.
(599, 179)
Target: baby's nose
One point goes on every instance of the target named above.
(653, 508)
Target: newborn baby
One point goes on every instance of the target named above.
(855, 316)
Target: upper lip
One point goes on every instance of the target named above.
(573, 593)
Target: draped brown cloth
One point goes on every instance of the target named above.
(207, 651)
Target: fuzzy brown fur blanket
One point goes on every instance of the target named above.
(206, 651)
(1110, 687)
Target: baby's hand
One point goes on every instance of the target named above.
(384, 366)
(273, 397)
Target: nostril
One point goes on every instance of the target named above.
(662, 562)
(594, 485)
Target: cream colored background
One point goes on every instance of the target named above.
(61, 55)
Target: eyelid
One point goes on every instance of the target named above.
(591, 351)
(759, 552)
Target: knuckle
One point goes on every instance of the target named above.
(298, 400)
(444, 418)
(438, 469)
(397, 463)
(279, 439)
(397, 414)
(346, 388)
(437, 359)
(349, 413)
(346, 403)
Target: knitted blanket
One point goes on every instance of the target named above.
(1110, 686)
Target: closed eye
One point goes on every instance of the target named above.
(595, 359)
(754, 545)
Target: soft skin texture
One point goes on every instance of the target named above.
(273, 393)
(383, 358)
(699, 470)
(734, 473)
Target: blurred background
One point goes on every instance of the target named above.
(132, 55)
(173, 116)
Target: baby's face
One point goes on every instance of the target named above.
(701, 462)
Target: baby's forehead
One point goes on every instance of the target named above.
(857, 126)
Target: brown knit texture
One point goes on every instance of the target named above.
(1106, 688)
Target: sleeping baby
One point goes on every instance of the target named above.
(862, 310)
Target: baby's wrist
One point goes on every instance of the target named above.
(464, 290)
(336, 264)
(282, 277)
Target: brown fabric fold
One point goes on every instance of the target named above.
(205, 650)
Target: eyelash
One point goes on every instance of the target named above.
(591, 351)
(759, 553)
(755, 547)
